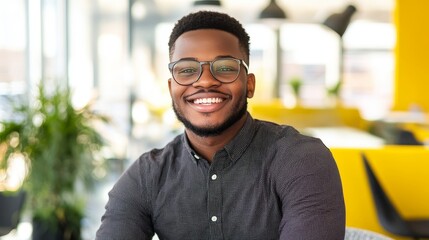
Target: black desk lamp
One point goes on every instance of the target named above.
(273, 12)
(207, 2)
(338, 22)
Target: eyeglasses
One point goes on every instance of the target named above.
(186, 71)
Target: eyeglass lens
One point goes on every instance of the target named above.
(189, 71)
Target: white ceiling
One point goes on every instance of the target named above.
(297, 10)
(248, 10)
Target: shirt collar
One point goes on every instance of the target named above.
(236, 147)
(242, 140)
(194, 156)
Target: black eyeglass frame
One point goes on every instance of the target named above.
(240, 61)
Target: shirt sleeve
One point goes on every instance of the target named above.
(311, 195)
(127, 215)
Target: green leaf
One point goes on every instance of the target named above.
(60, 144)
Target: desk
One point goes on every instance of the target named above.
(406, 117)
(415, 122)
(344, 137)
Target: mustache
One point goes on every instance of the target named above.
(206, 91)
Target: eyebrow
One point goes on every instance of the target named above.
(217, 57)
(225, 56)
(188, 58)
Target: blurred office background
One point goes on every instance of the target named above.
(114, 53)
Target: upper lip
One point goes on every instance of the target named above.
(199, 95)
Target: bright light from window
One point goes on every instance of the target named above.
(138, 10)
(12, 25)
(140, 112)
(363, 34)
(109, 46)
(15, 174)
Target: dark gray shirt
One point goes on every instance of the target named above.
(269, 182)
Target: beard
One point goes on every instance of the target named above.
(207, 131)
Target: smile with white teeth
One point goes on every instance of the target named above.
(208, 100)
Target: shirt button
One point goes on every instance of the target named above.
(214, 219)
(214, 177)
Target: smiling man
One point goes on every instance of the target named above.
(228, 176)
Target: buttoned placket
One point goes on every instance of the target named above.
(214, 197)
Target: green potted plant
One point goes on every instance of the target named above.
(334, 92)
(296, 84)
(60, 146)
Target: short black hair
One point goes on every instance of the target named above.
(210, 20)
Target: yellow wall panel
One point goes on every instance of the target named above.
(412, 54)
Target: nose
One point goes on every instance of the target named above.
(207, 80)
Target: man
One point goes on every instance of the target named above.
(228, 176)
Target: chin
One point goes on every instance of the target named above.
(206, 130)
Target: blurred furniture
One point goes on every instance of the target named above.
(344, 137)
(405, 127)
(394, 133)
(420, 131)
(11, 205)
(402, 171)
(304, 117)
(388, 215)
(406, 137)
(353, 233)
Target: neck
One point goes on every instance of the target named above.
(208, 146)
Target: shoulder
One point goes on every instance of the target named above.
(157, 158)
(286, 138)
(292, 152)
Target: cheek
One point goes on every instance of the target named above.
(242, 89)
(174, 96)
(176, 92)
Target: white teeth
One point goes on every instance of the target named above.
(207, 100)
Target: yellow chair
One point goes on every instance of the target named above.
(363, 234)
(388, 214)
(304, 117)
(402, 171)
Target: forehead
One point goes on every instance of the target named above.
(206, 44)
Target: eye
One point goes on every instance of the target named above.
(226, 66)
(188, 70)
(225, 69)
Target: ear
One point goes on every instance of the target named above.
(169, 85)
(250, 85)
